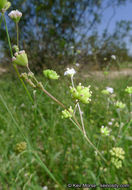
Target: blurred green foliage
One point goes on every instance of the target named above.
(49, 28)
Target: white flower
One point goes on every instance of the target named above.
(113, 57)
(22, 105)
(109, 89)
(21, 52)
(70, 72)
(72, 47)
(110, 123)
(77, 64)
(45, 188)
(15, 15)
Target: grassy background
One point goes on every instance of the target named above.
(58, 143)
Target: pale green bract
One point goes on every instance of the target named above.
(20, 58)
(4, 5)
(51, 74)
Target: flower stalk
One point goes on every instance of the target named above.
(82, 128)
(15, 66)
(17, 29)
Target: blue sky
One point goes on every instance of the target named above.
(124, 12)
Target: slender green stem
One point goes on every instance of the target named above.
(58, 102)
(80, 111)
(15, 67)
(17, 30)
(87, 139)
(27, 91)
(9, 42)
(53, 98)
(29, 179)
(120, 127)
(47, 170)
(83, 127)
(1, 20)
(81, 117)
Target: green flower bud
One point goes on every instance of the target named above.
(105, 131)
(117, 154)
(67, 113)
(74, 93)
(20, 58)
(31, 75)
(4, 5)
(24, 76)
(129, 90)
(16, 48)
(81, 93)
(116, 162)
(51, 74)
(120, 105)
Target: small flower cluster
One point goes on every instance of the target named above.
(15, 15)
(70, 72)
(113, 57)
(117, 154)
(120, 105)
(81, 93)
(20, 58)
(4, 5)
(110, 123)
(67, 113)
(110, 90)
(20, 147)
(51, 74)
(129, 90)
(105, 131)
